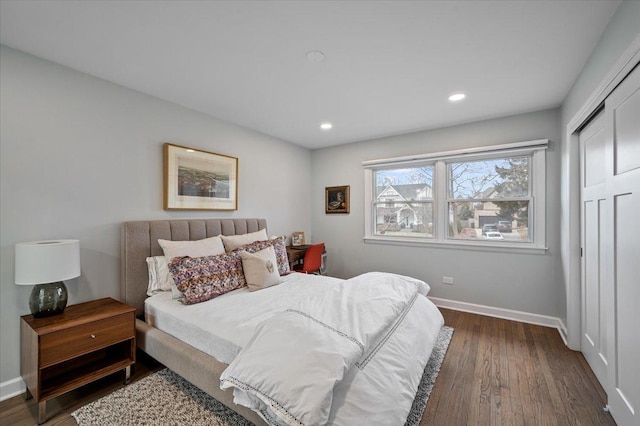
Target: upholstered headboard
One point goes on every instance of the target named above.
(139, 240)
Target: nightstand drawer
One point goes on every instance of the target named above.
(69, 343)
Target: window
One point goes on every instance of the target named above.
(491, 196)
(403, 204)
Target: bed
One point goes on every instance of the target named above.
(379, 379)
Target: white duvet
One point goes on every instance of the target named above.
(326, 377)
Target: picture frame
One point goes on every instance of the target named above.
(336, 199)
(297, 239)
(199, 180)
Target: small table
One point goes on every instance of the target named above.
(86, 342)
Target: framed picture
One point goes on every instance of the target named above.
(336, 199)
(199, 180)
(297, 239)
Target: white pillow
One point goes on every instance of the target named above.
(260, 268)
(200, 248)
(232, 242)
(159, 276)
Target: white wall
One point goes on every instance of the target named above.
(80, 155)
(523, 282)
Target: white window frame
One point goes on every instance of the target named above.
(537, 207)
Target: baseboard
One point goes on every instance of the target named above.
(11, 388)
(507, 314)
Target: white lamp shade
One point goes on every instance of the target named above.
(40, 262)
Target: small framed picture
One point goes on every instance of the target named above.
(336, 199)
(199, 180)
(297, 239)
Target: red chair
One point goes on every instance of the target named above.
(312, 260)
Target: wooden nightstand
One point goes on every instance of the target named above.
(84, 343)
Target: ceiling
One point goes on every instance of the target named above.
(389, 66)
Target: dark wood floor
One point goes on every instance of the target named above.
(499, 372)
(496, 372)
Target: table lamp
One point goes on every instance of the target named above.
(46, 264)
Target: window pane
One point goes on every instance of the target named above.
(404, 219)
(489, 221)
(404, 184)
(495, 178)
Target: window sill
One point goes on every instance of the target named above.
(450, 244)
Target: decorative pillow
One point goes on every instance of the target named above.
(203, 278)
(232, 242)
(199, 248)
(159, 276)
(279, 247)
(260, 269)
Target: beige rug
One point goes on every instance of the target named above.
(164, 398)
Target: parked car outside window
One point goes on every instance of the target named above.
(504, 226)
(493, 236)
(489, 228)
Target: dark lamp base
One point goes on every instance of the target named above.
(48, 299)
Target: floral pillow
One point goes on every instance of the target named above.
(278, 245)
(203, 278)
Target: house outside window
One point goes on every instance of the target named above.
(404, 202)
(489, 197)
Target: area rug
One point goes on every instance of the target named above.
(164, 398)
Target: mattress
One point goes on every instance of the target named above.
(381, 392)
(220, 327)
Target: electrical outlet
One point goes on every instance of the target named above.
(447, 280)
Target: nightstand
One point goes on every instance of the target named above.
(86, 342)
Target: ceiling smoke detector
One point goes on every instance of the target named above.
(315, 56)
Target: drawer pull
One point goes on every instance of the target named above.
(93, 336)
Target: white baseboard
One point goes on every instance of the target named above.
(12, 388)
(508, 314)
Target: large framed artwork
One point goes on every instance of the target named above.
(199, 180)
(336, 199)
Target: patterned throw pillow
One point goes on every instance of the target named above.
(203, 278)
(278, 245)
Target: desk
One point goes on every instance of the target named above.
(296, 255)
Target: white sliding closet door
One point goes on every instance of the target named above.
(610, 182)
(622, 114)
(594, 229)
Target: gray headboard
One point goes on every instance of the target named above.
(139, 240)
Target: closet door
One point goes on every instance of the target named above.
(622, 245)
(595, 226)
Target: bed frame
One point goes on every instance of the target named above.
(140, 240)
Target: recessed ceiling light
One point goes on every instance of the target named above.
(191, 150)
(315, 56)
(326, 126)
(457, 97)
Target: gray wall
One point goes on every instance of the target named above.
(80, 155)
(523, 282)
(621, 31)
(623, 28)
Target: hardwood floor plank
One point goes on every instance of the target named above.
(512, 393)
(495, 372)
